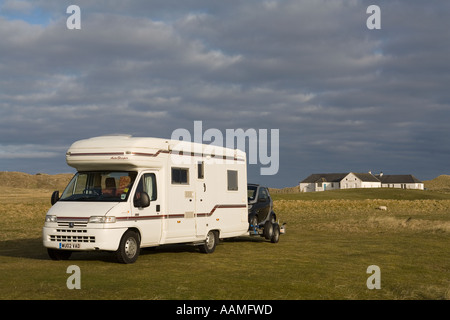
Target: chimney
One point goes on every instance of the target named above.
(381, 173)
(370, 171)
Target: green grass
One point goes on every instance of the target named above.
(324, 255)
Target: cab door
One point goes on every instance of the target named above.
(149, 219)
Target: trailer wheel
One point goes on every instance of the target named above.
(268, 230)
(276, 233)
(129, 247)
(210, 242)
(56, 254)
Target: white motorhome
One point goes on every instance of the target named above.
(130, 193)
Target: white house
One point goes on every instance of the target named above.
(322, 182)
(360, 180)
(331, 181)
(402, 181)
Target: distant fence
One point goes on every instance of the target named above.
(295, 189)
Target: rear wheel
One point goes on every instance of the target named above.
(210, 242)
(129, 247)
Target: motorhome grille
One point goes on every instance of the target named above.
(64, 238)
(72, 230)
(72, 224)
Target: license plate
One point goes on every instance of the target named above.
(69, 245)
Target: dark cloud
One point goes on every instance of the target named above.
(344, 98)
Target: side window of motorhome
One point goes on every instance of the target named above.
(232, 178)
(180, 176)
(147, 184)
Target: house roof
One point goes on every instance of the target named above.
(337, 177)
(366, 177)
(398, 178)
(324, 177)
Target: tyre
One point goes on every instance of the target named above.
(56, 254)
(276, 233)
(268, 230)
(210, 242)
(129, 247)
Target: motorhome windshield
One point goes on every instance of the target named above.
(111, 186)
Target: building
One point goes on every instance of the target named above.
(360, 180)
(332, 181)
(322, 182)
(403, 181)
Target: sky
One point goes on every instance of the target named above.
(343, 97)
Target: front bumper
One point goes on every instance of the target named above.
(82, 239)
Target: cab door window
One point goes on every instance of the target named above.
(147, 184)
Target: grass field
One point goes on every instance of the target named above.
(329, 244)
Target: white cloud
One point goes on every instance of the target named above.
(309, 68)
(29, 151)
(15, 6)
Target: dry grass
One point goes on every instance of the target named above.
(324, 255)
(362, 216)
(38, 181)
(409, 242)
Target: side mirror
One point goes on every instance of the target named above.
(55, 197)
(143, 201)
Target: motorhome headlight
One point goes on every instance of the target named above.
(102, 219)
(50, 218)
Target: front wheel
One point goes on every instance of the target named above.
(210, 242)
(129, 248)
